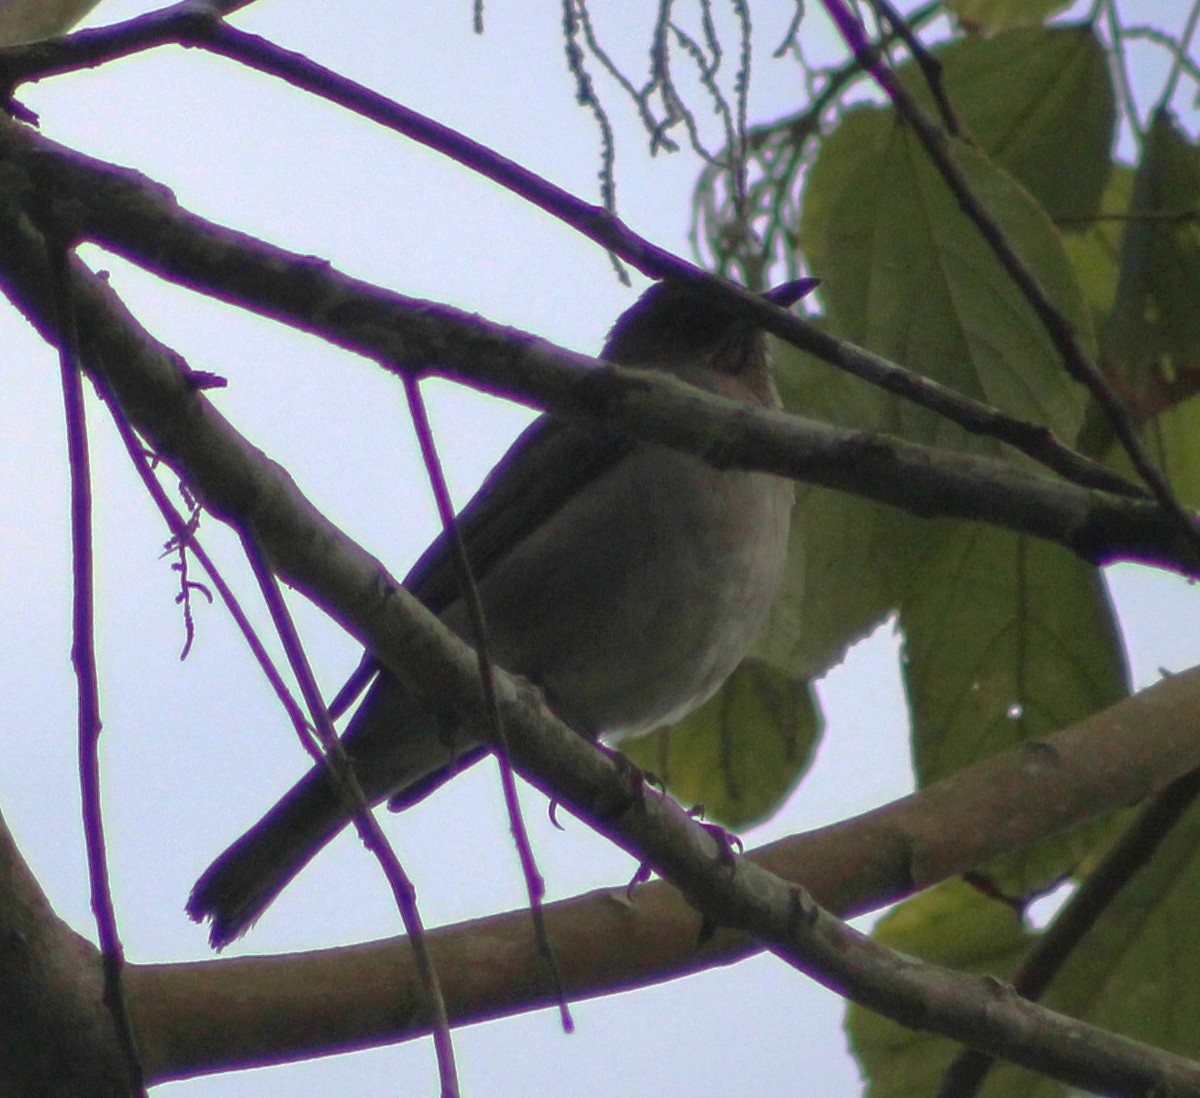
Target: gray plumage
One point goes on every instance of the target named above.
(625, 578)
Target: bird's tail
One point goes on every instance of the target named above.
(397, 752)
(241, 884)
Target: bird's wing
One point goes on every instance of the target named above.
(550, 461)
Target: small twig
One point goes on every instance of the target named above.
(1141, 33)
(1181, 52)
(1055, 323)
(585, 95)
(575, 13)
(930, 66)
(789, 35)
(1129, 854)
(661, 80)
(187, 586)
(183, 535)
(741, 91)
(341, 772)
(83, 657)
(535, 886)
(360, 678)
(707, 75)
(1121, 72)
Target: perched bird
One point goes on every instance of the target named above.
(625, 578)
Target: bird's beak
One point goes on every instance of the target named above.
(788, 293)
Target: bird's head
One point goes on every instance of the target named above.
(671, 323)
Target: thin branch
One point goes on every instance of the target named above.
(918, 478)
(341, 772)
(1137, 32)
(535, 886)
(706, 73)
(183, 535)
(930, 66)
(790, 35)
(1117, 58)
(585, 95)
(577, 15)
(597, 224)
(83, 658)
(1181, 52)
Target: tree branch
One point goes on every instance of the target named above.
(121, 210)
(125, 212)
(58, 1037)
(221, 1014)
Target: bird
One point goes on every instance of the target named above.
(624, 578)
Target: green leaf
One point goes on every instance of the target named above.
(1153, 336)
(1006, 639)
(1040, 103)
(845, 552)
(1093, 245)
(1140, 271)
(845, 578)
(1138, 970)
(1173, 437)
(743, 751)
(995, 15)
(956, 926)
(907, 275)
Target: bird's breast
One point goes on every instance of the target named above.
(639, 597)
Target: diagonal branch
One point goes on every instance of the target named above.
(83, 658)
(217, 1015)
(122, 211)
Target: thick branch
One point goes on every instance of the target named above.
(216, 1015)
(107, 204)
(135, 218)
(57, 1036)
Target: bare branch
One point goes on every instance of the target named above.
(83, 658)
(216, 1015)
